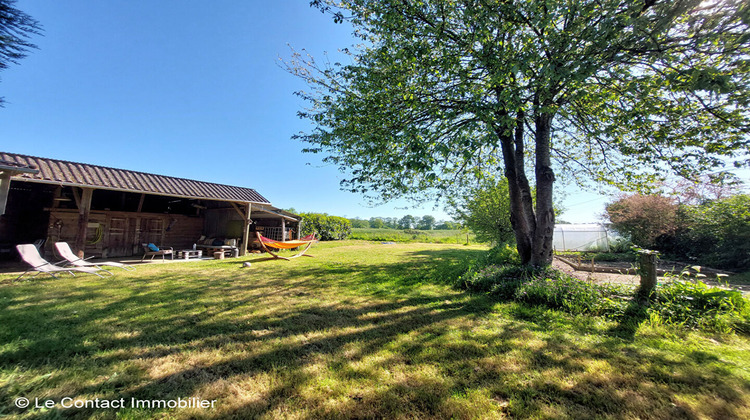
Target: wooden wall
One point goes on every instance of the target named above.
(120, 234)
(217, 223)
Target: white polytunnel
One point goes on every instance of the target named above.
(583, 237)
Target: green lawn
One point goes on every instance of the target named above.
(364, 330)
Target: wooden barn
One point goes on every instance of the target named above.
(111, 212)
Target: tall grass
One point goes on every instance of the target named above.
(414, 235)
(681, 301)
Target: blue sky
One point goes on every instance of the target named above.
(187, 89)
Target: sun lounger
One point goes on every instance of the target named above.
(30, 254)
(64, 250)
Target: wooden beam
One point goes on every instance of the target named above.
(4, 190)
(240, 212)
(140, 203)
(271, 212)
(84, 210)
(246, 229)
(283, 229)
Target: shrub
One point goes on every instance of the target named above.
(643, 218)
(327, 228)
(620, 244)
(717, 233)
(485, 210)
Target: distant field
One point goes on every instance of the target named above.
(411, 235)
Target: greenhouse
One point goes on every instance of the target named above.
(583, 237)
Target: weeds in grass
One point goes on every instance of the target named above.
(556, 290)
(546, 287)
(688, 302)
(679, 302)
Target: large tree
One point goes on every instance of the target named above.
(16, 27)
(427, 222)
(443, 92)
(407, 222)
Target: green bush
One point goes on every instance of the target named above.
(717, 233)
(485, 210)
(326, 228)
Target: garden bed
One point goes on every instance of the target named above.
(625, 273)
(627, 264)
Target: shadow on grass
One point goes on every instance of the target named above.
(635, 313)
(323, 339)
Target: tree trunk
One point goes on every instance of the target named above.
(533, 230)
(541, 252)
(521, 208)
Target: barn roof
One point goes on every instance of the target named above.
(60, 172)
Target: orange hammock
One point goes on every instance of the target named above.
(270, 243)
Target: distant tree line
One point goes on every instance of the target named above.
(426, 222)
(331, 228)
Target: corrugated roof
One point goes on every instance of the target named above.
(14, 167)
(60, 172)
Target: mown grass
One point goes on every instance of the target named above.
(361, 331)
(413, 235)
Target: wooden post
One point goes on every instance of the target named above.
(76, 196)
(84, 210)
(647, 270)
(246, 230)
(4, 190)
(283, 229)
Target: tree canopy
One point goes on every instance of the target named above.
(440, 93)
(16, 27)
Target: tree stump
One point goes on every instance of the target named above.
(647, 270)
